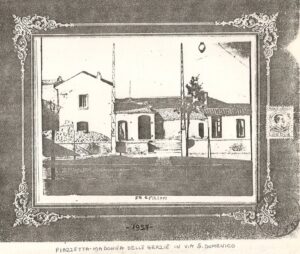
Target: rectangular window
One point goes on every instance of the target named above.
(201, 130)
(83, 126)
(83, 101)
(240, 128)
(216, 123)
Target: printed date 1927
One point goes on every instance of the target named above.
(139, 227)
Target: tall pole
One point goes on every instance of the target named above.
(182, 113)
(113, 98)
(130, 89)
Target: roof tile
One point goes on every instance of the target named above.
(168, 107)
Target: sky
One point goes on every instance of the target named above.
(151, 64)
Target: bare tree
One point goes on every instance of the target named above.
(50, 121)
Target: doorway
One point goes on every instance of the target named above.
(144, 127)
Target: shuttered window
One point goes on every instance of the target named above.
(122, 130)
(83, 101)
(216, 124)
(240, 128)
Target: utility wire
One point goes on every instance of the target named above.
(234, 56)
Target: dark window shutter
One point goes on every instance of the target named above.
(240, 128)
(201, 130)
(83, 126)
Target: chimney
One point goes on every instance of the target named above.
(99, 76)
(59, 79)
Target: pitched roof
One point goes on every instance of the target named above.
(136, 110)
(155, 102)
(166, 107)
(128, 104)
(231, 111)
(170, 114)
(47, 82)
(86, 73)
(51, 82)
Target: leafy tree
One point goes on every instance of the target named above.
(192, 103)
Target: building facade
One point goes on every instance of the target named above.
(220, 130)
(146, 126)
(85, 100)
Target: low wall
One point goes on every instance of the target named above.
(133, 147)
(82, 149)
(227, 149)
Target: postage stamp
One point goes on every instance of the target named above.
(280, 122)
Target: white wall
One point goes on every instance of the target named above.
(172, 129)
(98, 114)
(194, 128)
(229, 127)
(227, 147)
(132, 124)
(238, 149)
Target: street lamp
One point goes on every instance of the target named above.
(202, 47)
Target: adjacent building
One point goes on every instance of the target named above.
(220, 130)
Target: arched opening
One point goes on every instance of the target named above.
(144, 127)
(122, 130)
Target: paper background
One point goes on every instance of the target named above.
(284, 86)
